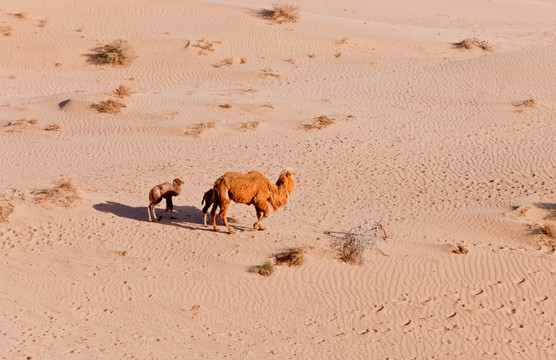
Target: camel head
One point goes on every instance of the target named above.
(287, 180)
(177, 182)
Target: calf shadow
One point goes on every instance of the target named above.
(184, 214)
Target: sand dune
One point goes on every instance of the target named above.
(443, 146)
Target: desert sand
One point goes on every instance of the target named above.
(444, 146)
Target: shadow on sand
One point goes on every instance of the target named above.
(186, 216)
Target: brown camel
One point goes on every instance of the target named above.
(164, 191)
(252, 188)
(209, 198)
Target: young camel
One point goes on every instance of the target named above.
(209, 198)
(164, 191)
(252, 188)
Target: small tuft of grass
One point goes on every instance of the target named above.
(199, 128)
(118, 52)
(338, 54)
(268, 72)
(6, 209)
(267, 268)
(43, 22)
(249, 126)
(109, 106)
(122, 91)
(6, 30)
(472, 43)
(19, 125)
(290, 60)
(22, 15)
(243, 60)
(224, 62)
(63, 193)
(225, 106)
(460, 249)
(267, 105)
(205, 46)
(292, 257)
(320, 123)
(343, 41)
(52, 127)
(281, 13)
(525, 103)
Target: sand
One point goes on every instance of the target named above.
(443, 146)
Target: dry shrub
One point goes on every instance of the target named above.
(225, 62)
(52, 127)
(460, 249)
(243, 60)
(122, 91)
(205, 46)
(225, 106)
(19, 125)
(64, 193)
(199, 128)
(266, 269)
(320, 123)
(6, 30)
(473, 43)
(43, 22)
(6, 209)
(250, 125)
(281, 13)
(268, 72)
(118, 52)
(548, 229)
(291, 257)
(355, 245)
(22, 15)
(338, 54)
(109, 106)
(525, 103)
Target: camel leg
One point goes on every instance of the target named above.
(223, 210)
(169, 206)
(262, 212)
(152, 205)
(213, 216)
(149, 211)
(205, 210)
(170, 203)
(257, 223)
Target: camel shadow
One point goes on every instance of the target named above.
(184, 214)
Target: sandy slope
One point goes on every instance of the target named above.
(429, 139)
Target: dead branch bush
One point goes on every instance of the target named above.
(6, 209)
(249, 126)
(226, 106)
(355, 245)
(292, 257)
(320, 123)
(64, 193)
(473, 43)
(199, 128)
(122, 91)
(109, 106)
(281, 13)
(118, 52)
